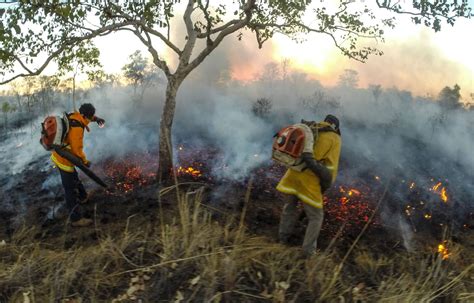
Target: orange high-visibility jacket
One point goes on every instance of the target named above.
(305, 185)
(74, 142)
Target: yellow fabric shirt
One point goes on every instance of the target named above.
(305, 185)
(74, 141)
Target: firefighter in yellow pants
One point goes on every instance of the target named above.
(309, 185)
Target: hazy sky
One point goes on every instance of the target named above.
(415, 57)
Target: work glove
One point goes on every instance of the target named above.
(325, 177)
(100, 121)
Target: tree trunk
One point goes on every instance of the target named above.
(74, 93)
(165, 153)
(18, 100)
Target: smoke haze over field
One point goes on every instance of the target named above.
(394, 136)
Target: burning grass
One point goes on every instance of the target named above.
(186, 256)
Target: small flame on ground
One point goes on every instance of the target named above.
(435, 188)
(412, 185)
(443, 251)
(353, 191)
(189, 171)
(442, 193)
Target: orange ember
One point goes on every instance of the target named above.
(354, 192)
(443, 251)
(444, 196)
(435, 188)
(189, 171)
(442, 193)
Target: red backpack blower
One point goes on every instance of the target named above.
(289, 144)
(54, 130)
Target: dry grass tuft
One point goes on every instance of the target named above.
(191, 258)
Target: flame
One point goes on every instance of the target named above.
(427, 216)
(443, 251)
(353, 192)
(442, 193)
(435, 188)
(412, 185)
(444, 196)
(189, 171)
(136, 171)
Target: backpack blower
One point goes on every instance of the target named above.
(54, 130)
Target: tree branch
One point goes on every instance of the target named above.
(396, 8)
(189, 46)
(217, 29)
(162, 37)
(156, 58)
(248, 9)
(68, 43)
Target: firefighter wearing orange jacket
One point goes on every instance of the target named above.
(74, 190)
(309, 185)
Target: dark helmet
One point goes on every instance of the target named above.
(87, 110)
(333, 120)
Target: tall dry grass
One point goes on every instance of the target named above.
(191, 258)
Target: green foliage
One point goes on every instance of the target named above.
(450, 98)
(431, 13)
(6, 108)
(140, 74)
(376, 91)
(349, 78)
(134, 71)
(262, 107)
(320, 101)
(63, 31)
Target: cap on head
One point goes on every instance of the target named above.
(87, 110)
(333, 120)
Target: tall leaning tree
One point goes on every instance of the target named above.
(35, 34)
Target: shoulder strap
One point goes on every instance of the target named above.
(328, 129)
(75, 123)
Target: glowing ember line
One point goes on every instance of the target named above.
(435, 188)
(444, 195)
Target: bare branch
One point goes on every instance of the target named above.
(191, 39)
(40, 69)
(204, 9)
(218, 29)
(162, 37)
(248, 9)
(70, 42)
(21, 63)
(156, 58)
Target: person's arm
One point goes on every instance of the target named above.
(324, 174)
(98, 120)
(325, 168)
